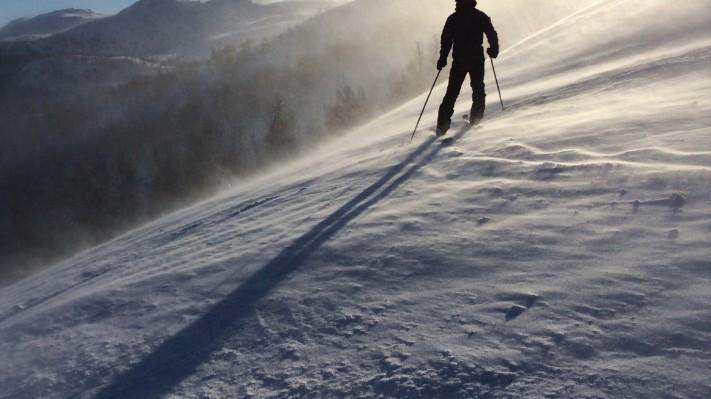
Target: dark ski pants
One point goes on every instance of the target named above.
(460, 70)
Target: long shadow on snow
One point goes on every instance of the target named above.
(180, 355)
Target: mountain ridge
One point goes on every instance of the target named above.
(155, 27)
(47, 24)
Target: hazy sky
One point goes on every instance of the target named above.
(11, 9)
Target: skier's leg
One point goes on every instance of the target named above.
(476, 74)
(446, 109)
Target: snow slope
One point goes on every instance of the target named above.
(560, 250)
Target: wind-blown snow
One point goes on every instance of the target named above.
(559, 250)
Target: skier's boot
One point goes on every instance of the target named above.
(477, 111)
(442, 127)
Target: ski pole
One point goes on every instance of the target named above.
(497, 84)
(425, 106)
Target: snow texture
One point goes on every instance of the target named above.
(560, 250)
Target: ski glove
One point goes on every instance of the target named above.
(441, 64)
(493, 52)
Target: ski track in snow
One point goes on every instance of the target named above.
(560, 250)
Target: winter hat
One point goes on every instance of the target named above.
(466, 4)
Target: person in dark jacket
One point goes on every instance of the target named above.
(465, 31)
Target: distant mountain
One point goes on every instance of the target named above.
(159, 27)
(149, 30)
(47, 24)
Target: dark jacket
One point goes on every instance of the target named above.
(465, 31)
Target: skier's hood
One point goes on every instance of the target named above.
(465, 5)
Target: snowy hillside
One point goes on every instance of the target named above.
(560, 250)
(47, 24)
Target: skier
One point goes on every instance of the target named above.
(465, 31)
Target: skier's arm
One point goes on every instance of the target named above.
(447, 41)
(493, 38)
